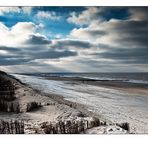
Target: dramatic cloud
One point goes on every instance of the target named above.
(27, 10)
(17, 34)
(22, 33)
(139, 13)
(90, 39)
(70, 44)
(5, 10)
(124, 55)
(117, 32)
(48, 15)
(128, 33)
(37, 39)
(87, 33)
(23, 27)
(86, 16)
(54, 54)
(22, 55)
(123, 41)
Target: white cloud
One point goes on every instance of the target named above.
(87, 16)
(118, 40)
(23, 28)
(27, 10)
(58, 36)
(41, 25)
(4, 10)
(9, 9)
(3, 52)
(47, 15)
(131, 32)
(17, 34)
(90, 34)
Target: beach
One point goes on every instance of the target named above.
(111, 103)
(31, 110)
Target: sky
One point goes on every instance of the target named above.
(73, 39)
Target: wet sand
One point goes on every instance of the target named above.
(108, 83)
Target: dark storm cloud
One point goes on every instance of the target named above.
(5, 61)
(25, 55)
(13, 57)
(139, 13)
(37, 40)
(68, 44)
(130, 32)
(11, 49)
(125, 55)
(96, 33)
(53, 54)
(39, 47)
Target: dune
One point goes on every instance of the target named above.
(26, 110)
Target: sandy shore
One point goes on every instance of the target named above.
(113, 98)
(109, 103)
(54, 112)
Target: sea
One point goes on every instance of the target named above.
(124, 77)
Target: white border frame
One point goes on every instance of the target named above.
(73, 141)
(73, 2)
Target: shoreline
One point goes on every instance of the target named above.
(115, 104)
(116, 84)
(50, 113)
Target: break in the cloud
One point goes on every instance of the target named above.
(74, 39)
